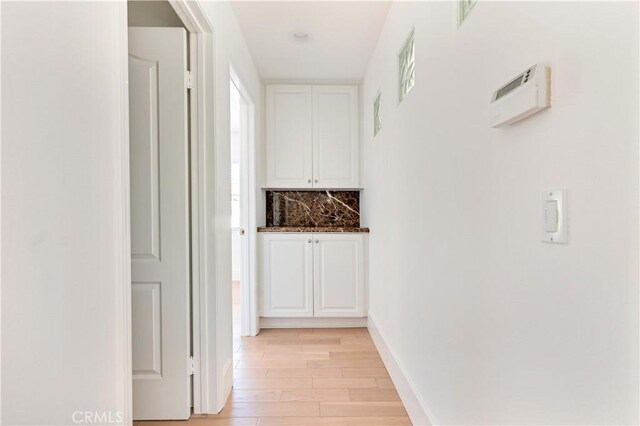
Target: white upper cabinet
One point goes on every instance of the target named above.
(335, 137)
(312, 137)
(289, 136)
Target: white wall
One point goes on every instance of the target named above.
(62, 124)
(490, 324)
(230, 50)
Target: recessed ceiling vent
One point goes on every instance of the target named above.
(300, 36)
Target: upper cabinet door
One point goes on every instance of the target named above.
(289, 136)
(335, 137)
(338, 275)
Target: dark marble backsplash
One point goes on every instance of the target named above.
(313, 208)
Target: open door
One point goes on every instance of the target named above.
(159, 223)
(239, 211)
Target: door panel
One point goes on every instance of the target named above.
(147, 330)
(336, 137)
(289, 136)
(145, 180)
(159, 223)
(287, 271)
(338, 275)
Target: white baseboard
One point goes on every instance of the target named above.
(267, 322)
(413, 402)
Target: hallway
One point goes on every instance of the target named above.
(307, 377)
(396, 199)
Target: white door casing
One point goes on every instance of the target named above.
(287, 271)
(289, 136)
(335, 137)
(159, 223)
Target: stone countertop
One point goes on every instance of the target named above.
(311, 229)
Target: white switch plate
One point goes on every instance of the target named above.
(554, 216)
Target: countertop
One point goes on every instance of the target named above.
(310, 229)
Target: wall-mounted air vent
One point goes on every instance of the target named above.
(521, 97)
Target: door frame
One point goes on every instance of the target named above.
(203, 266)
(122, 223)
(248, 287)
(203, 257)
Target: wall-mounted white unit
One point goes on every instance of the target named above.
(523, 96)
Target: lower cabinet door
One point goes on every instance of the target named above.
(338, 275)
(287, 275)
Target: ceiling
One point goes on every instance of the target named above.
(342, 36)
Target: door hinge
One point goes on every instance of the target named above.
(188, 78)
(192, 366)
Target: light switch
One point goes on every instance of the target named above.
(554, 216)
(551, 215)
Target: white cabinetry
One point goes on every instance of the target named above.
(287, 275)
(335, 137)
(338, 272)
(312, 136)
(319, 275)
(289, 136)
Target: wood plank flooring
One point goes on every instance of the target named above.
(307, 377)
(302, 377)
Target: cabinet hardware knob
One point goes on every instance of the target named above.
(316, 181)
(317, 241)
(309, 241)
(308, 180)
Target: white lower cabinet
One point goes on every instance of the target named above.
(287, 275)
(312, 275)
(338, 271)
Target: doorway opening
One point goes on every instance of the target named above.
(238, 231)
(202, 352)
(160, 212)
(172, 370)
(240, 134)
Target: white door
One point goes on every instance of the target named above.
(289, 136)
(335, 137)
(240, 166)
(287, 275)
(159, 223)
(338, 275)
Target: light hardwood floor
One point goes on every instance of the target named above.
(307, 377)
